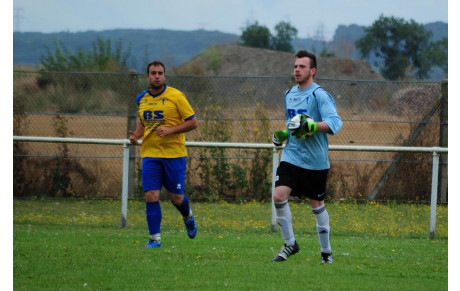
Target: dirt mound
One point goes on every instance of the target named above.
(238, 60)
(410, 101)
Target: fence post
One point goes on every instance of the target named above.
(132, 123)
(443, 118)
(125, 185)
(275, 162)
(434, 193)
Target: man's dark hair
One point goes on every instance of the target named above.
(306, 54)
(156, 64)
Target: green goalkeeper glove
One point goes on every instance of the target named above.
(279, 136)
(302, 125)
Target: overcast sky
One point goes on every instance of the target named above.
(309, 17)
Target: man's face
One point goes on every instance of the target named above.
(302, 71)
(156, 77)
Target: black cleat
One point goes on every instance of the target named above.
(285, 252)
(326, 258)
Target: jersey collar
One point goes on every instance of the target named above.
(155, 95)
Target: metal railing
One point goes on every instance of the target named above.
(275, 161)
(229, 109)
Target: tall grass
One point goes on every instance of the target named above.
(78, 244)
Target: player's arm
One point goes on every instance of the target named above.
(328, 111)
(186, 126)
(322, 126)
(134, 136)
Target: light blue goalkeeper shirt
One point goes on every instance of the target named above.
(311, 153)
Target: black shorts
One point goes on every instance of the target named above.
(303, 182)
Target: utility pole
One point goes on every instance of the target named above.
(17, 18)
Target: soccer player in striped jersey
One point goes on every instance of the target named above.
(304, 162)
(165, 116)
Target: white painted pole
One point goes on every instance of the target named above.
(124, 186)
(275, 163)
(434, 193)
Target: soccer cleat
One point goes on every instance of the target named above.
(285, 252)
(326, 258)
(190, 227)
(151, 244)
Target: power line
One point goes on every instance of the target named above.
(17, 18)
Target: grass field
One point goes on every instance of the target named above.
(79, 244)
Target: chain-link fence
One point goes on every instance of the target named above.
(229, 109)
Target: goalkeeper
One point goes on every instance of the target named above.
(311, 116)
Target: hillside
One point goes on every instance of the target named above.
(173, 47)
(225, 60)
(177, 47)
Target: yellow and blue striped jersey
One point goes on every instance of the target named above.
(168, 108)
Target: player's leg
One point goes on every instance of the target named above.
(151, 181)
(284, 215)
(174, 182)
(322, 229)
(318, 183)
(283, 212)
(154, 216)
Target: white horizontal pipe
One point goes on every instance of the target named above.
(369, 148)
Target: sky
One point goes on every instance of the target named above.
(313, 18)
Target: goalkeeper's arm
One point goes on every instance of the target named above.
(316, 126)
(322, 126)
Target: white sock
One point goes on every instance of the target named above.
(322, 228)
(285, 221)
(156, 237)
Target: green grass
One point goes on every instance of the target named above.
(79, 244)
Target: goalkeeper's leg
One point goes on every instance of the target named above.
(285, 222)
(284, 215)
(323, 230)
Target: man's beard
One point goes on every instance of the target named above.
(156, 88)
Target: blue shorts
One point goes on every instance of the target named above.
(158, 172)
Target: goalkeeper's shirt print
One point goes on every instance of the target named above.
(168, 108)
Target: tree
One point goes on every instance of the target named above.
(102, 57)
(401, 45)
(285, 33)
(256, 35)
(439, 55)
